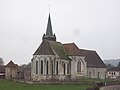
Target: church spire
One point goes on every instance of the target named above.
(49, 27)
(49, 33)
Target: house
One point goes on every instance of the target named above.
(13, 71)
(113, 73)
(56, 61)
(10, 70)
(2, 71)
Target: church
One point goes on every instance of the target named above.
(63, 62)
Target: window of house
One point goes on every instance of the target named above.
(36, 67)
(47, 67)
(57, 67)
(41, 67)
(98, 74)
(79, 66)
(114, 73)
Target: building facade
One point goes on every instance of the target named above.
(10, 70)
(113, 73)
(56, 61)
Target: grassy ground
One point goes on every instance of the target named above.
(9, 85)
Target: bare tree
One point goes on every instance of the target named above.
(1, 61)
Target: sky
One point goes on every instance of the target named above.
(90, 24)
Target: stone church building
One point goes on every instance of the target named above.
(56, 61)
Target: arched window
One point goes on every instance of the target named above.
(36, 67)
(52, 67)
(79, 66)
(64, 68)
(68, 68)
(47, 67)
(57, 67)
(41, 67)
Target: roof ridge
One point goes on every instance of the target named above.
(68, 43)
(88, 50)
(11, 64)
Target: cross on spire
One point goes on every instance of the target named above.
(49, 8)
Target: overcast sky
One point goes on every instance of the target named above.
(91, 24)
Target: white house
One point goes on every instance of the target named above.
(113, 73)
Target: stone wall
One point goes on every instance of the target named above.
(74, 73)
(93, 72)
(55, 71)
(116, 87)
(10, 72)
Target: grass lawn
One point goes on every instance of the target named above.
(9, 85)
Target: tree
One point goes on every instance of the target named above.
(29, 64)
(25, 66)
(1, 61)
(109, 66)
(118, 65)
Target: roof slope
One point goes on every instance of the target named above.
(72, 49)
(11, 64)
(44, 49)
(58, 49)
(48, 47)
(91, 57)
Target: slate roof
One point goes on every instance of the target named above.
(44, 49)
(72, 49)
(114, 69)
(48, 47)
(91, 57)
(58, 49)
(11, 64)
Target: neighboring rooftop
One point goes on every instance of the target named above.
(114, 69)
(11, 64)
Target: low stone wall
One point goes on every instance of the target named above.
(116, 87)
